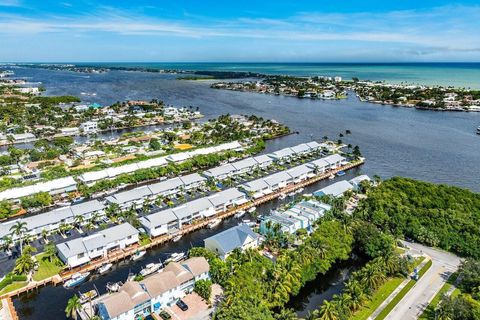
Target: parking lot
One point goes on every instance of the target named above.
(197, 308)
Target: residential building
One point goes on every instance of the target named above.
(160, 223)
(227, 198)
(241, 237)
(335, 190)
(355, 182)
(89, 127)
(256, 188)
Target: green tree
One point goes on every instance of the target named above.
(203, 288)
(19, 229)
(73, 305)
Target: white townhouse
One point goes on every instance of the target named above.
(301, 173)
(314, 146)
(129, 198)
(221, 172)
(241, 237)
(192, 181)
(301, 149)
(245, 165)
(256, 188)
(283, 155)
(335, 160)
(287, 224)
(227, 198)
(278, 180)
(358, 180)
(319, 165)
(79, 251)
(131, 302)
(167, 187)
(53, 187)
(88, 209)
(89, 127)
(263, 161)
(160, 223)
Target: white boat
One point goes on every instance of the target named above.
(150, 268)
(138, 255)
(252, 209)
(113, 286)
(299, 190)
(175, 257)
(76, 279)
(282, 196)
(248, 222)
(240, 214)
(104, 268)
(177, 238)
(291, 194)
(215, 222)
(88, 296)
(331, 177)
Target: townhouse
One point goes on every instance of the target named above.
(225, 199)
(53, 187)
(256, 188)
(82, 250)
(238, 237)
(160, 223)
(336, 189)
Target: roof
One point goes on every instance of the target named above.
(182, 212)
(277, 178)
(225, 196)
(245, 163)
(303, 147)
(199, 205)
(157, 219)
(286, 152)
(130, 295)
(319, 163)
(197, 265)
(298, 171)
(192, 178)
(130, 195)
(183, 275)
(47, 218)
(334, 158)
(262, 159)
(314, 145)
(357, 180)
(219, 171)
(160, 283)
(167, 185)
(48, 186)
(233, 238)
(336, 189)
(87, 207)
(255, 185)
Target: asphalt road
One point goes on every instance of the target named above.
(418, 298)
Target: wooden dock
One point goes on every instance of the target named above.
(122, 254)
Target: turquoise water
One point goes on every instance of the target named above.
(445, 74)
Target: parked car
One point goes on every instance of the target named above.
(182, 305)
(165, 315)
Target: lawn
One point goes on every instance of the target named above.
(428, 313)
(46, 268)
(14, 286)
(378, 297)
(402, 293)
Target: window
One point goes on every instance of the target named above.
(80, 255)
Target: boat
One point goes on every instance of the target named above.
(240, 214)
(252, 209)
(113, 286)
(478, 130)
(76, 279)
(150, 268)
(88, 296)
(248, 222)
(175, 257)
(340, 173)
(104, 268)
(177, 238)
(215, 222)
(299, 190)
(291, 194)
(331, 177)
(138, 255)
(282, 196)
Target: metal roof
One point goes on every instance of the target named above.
(233, 238)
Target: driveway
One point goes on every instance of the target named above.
(419, 297)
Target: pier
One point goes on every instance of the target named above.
(119, 255)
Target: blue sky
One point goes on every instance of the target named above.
(237, 31)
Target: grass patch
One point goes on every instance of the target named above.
(378, 297)
(145, 241)
(429, 312)
(402, 293)
(46, 268)
(14, 286)
(456, 292)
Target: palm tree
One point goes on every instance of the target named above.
(24, 264)
(18, 229)
(372, 276)
(73, 305)
(356, 293)
(50, 251)
(6, 242)
(344, 303)
(112, 210)
(79, 220)
(328, 311)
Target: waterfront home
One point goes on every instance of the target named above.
(239, 237)
(136, 300)
(320, 165)
(79, 251)
(160, 223)
(263, 161)
(227, 198)
(301, 149)
(301, 173)
(127, 199)
(192, 181)
(314, 146)
(69, 131)
(335, 161)
(285, 224)
(89, 127)
(336, 189)
(256, 188)
(55, 186)
(278, 180)
(22, 137)
(358, 180)
(221, 172)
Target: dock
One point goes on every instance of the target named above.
(119, 255)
